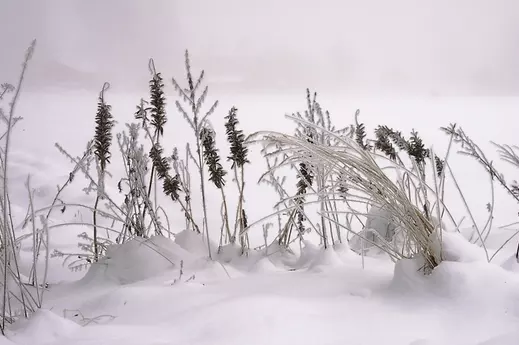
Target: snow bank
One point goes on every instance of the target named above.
(194, 243)
(455, 247)
(511, 264)
(318, 259)
(308, 253)
(43, 327)
(264, 265)
(139, 259)
(229, 252)
(473, 285)
(324, 259)
(5, 341)
(344, 252)
(279, 255)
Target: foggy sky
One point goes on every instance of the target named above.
(465, 47)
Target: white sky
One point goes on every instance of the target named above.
(427, 46)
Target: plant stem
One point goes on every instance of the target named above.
(96, 253)
(6, 179)
(202, 189)
(225, 213)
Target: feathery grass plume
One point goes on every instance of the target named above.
(102, 143)
(158, 116)
(171, 185)
(157, 101)
(197, 121)
(414, 147)
(383, 143)
(305, 179)
(216, 171)
(439, 165)
(103, 130)
(360, 132)
(388, 139)
(236, 139)
(212, 158)
(238, 157)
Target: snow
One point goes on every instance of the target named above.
(165, 290)
(138, 259)
(455, 247)
(331, 300)
(46, 325)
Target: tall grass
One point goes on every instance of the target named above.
(18, 297)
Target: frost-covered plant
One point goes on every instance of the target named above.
(194, 97)
(181, 168)
(18, 299)
(158, 116)
(277, 183)
(509, 154)
(238, 157)
(216, 174)
(315, 127)
(368, 180)
(126, 219)
(171, 185)
(102, 142)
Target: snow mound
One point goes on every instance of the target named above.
(316, 258)
(463, 283)
(455, 247)
(5, 341)
(43, 327)
(264, 265)
(279, 255)
(308, 253)
(194, 243)
(344, 252)
(139, 259)
(325, 258)
(229, 252)
(511, 264)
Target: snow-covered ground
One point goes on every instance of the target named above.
(138, 295)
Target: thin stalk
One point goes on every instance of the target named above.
(469, 212)
(6, 177)
(202, 189)
(226, 213)
(96, 252)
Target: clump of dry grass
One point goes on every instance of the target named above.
(367, 183)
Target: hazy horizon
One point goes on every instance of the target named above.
(370, 47)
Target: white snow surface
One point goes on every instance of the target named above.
(165, 290)
(332, 300)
